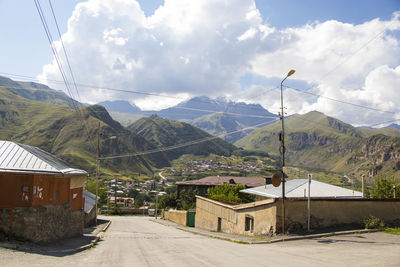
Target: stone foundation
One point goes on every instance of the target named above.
(43, 224)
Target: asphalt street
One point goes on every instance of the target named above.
(137, 241)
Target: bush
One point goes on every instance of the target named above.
(230, 193)
(373, 223)
(383, 188)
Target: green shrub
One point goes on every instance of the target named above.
(230, 193)
(373, 223)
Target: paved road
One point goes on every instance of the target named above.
(164, 178)
(136, 241)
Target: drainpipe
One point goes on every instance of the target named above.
(363, 185)
(11, 223)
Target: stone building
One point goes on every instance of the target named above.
(331, 206)
(41, 197)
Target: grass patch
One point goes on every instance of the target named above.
(392, 231)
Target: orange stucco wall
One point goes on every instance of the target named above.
(26, 190)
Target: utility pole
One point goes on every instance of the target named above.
(363, 185)
(115, 195)
(309, 202)
(97, 169)
(282, 116)
(156, 205)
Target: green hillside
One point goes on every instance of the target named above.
(385, 131)
(72, 135)
(166, 133)
(221, 124)
(314, 140)
(39, 92)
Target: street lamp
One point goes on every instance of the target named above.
(291, 72)
(98, 165)
(158, 194)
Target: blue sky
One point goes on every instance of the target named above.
(23, 33)
(208, 45)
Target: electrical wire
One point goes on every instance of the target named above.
(340, 101)
(51, 42)
(193, 109)
(163, 149)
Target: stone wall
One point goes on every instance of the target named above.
(43, 224)
(266, 214)
(177, 216)
(90, 218)
(337, 212)
(233, 217)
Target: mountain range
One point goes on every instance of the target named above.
(50, 123)
(222, 117)
(34, 114)
(314, 140)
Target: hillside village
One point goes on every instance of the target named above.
(200, 133)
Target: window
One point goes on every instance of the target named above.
(249, 223)
(25, 189)
(219, 227)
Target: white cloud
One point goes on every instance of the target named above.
(339, 61)
(189, 48)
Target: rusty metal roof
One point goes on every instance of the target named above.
(16, 157)
(219, 180)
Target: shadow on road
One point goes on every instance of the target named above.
(64, 247)
(331, 240)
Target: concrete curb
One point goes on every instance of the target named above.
(94, 242)
(283, 239)
(8, 245)
(294, 238)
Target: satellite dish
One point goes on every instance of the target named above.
(276, 180)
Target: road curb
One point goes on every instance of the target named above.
(96, 239)
(294, 238)
(254, 242)
(8, 245)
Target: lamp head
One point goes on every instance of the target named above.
(291, 72)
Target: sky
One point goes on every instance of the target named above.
(346, 53)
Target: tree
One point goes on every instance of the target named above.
(102, 191)
(384, 188)
(168, 201)
(139, 201)
(230, 193)
(133, 193)
(187, 199)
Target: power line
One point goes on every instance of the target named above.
(186, 108)
(339, 101)
(163, 149)
(50, 39)
(65, 52)
(354, 53)
(61, 69)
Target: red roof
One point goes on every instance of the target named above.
(219, 180)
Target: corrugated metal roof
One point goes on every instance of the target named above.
(219, 180)
(297, 188)
(16, 157)
(90, 201)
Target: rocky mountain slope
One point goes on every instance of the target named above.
(72, 135)
(314, 140)
(216, 116)
(167, 133)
